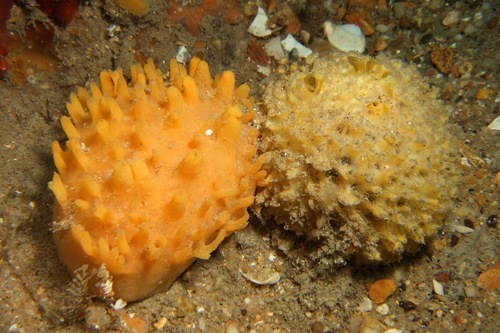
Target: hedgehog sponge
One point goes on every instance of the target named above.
(154, 174)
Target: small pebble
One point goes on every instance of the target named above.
(483, 93)
(443, 277)
(399, 9)
(381, 44)
(382, 28)
(489, 279)
(407, 305)
(365, 305)
(426, 39)
(492, 23)
(381, 289)
(470, 291)
(317, 327)
(492, 221)
(442, 59)
(451, 19)
(383, 309)
(468, 223)
(404, 22)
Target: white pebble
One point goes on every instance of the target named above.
(382, 28)
(495, 124)
(383, 309)
(119, 304)
(346, 37)
(438, 288)
(365, 305)
(451, 19)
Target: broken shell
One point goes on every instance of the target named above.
(272, 279)
(438, 288)
(119, 304)
(290, 43)
(273, 48)
(463, 229)
(258, 27)
(346, 38)
(182, 56)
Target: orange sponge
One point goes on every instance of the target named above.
(155, 174)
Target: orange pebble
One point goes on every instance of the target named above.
(381, 289)
(134, 324)
(490, 279)
(483, 93)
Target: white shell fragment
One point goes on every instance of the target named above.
(264, 70)
(290, 43)
(346, 38)
(182, 55)
(463, 229)
(273, 48)
(495, 124)
(119, 304)
(272, 279)
(438, 288)
(258, 27)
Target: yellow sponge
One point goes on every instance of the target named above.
(360, 155)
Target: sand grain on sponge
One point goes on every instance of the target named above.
(154, 174)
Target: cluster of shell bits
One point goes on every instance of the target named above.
(362, 162)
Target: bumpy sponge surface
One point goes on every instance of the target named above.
(154, 174)
(360, 158)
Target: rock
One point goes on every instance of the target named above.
(381, 289)
(451, 19)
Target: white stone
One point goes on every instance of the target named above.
(495, 124)
(258, 27)
(438, 288)
(290, 43)
(346, 38)
(383, 309)
(365, 305)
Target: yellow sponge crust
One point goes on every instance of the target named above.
(154, 174)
